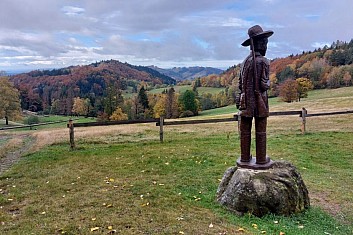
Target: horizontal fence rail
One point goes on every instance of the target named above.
(286, 113)
(235, 118)
(109, 123)
(329, 113)
(32, 125)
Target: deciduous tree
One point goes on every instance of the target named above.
(303, 85)
(171, 104)
(288, 90)
(347, 78)
(9, 101)
(118, 115)
(80, 106)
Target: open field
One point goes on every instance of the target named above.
(181, 89)
(121, 176)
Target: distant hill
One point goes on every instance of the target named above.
(40, 88)
(188, 73)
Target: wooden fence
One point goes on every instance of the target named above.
(161, 122)
(30, 126)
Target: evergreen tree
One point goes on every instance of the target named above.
(189, 102)
(112, 99)
(142, 98)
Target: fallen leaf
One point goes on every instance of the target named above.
(43, 213)
(263, 232)
(181, 232)
(94, 229)
(161, 184)
(241, 230)
(282, 233)
(254, 226)
(110, 227)
(211, 225)
(93, 219)
(300, 226)
(109, 205)
(111, 180)
(276, 222)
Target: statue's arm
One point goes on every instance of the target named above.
(264, 77)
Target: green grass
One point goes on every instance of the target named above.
(130, 181)
(325, 99)
(181, 89)
(231, 109)
(151, 188)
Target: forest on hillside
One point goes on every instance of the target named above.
(291, 77)
(100, 89)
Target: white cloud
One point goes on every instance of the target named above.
(36, 33)
(72, 11)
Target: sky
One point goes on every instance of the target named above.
(46, 34)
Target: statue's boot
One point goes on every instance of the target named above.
(245, 141)
(261, 157)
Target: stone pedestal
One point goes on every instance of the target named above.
(279, 190)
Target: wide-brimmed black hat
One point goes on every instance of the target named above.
(256, 32)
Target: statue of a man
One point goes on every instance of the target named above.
(253, 101)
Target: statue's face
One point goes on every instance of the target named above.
(261, 45)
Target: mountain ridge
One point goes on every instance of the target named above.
(187, 73)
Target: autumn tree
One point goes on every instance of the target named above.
(303, 86)
(347, 78)
(159, 109)
(334, 77)
(81, 106)
(288, 90)
(171, 104)
(9, 101)
(113, 98)
(207, 102)
(118, 115)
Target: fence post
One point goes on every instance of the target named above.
(71, 133)
(304, 113)
(161, 121)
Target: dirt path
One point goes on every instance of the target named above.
(12, 157)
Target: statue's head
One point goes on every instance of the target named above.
(259, 37)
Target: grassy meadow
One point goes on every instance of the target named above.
(121, 180)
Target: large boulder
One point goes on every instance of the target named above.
(279, 190)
